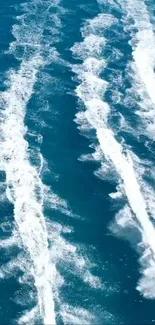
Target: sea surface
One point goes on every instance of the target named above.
(77, 162)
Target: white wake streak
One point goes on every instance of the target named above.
(113, 150)
(23, 182)
(143, 52)
(144, 47)
(91, 92)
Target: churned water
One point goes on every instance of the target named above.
(77, 175)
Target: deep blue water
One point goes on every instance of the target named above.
(47, 106)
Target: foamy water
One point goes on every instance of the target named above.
(45, 256)
(23, 182)
(142, 41)
(24, 186)
(91, 92)
(43, 243)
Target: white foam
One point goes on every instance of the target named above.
(74, 315)
(146, 178)
(93, 280)
(23, 182)
(44, 241)
(116, 195)
(97, 25)
(138, 205)
(110, 3)
(19, 262)
(143, 52)
(36, 17)
(125, 169)
(91, 92)
(97, 155)
(62, 251)
(92, 44)
(29, 317)
(74, 260)
(11, 241)
(22, 179)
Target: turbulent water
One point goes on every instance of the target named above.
(77, 131)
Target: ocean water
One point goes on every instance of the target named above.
(77, 175)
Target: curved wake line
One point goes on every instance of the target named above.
(23, 182)
(91, 91)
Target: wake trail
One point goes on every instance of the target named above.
(24, 187)
(124, 167)
(91, 92)
(144, 47)
(23, 182)
(138, 23)
(51, 257)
